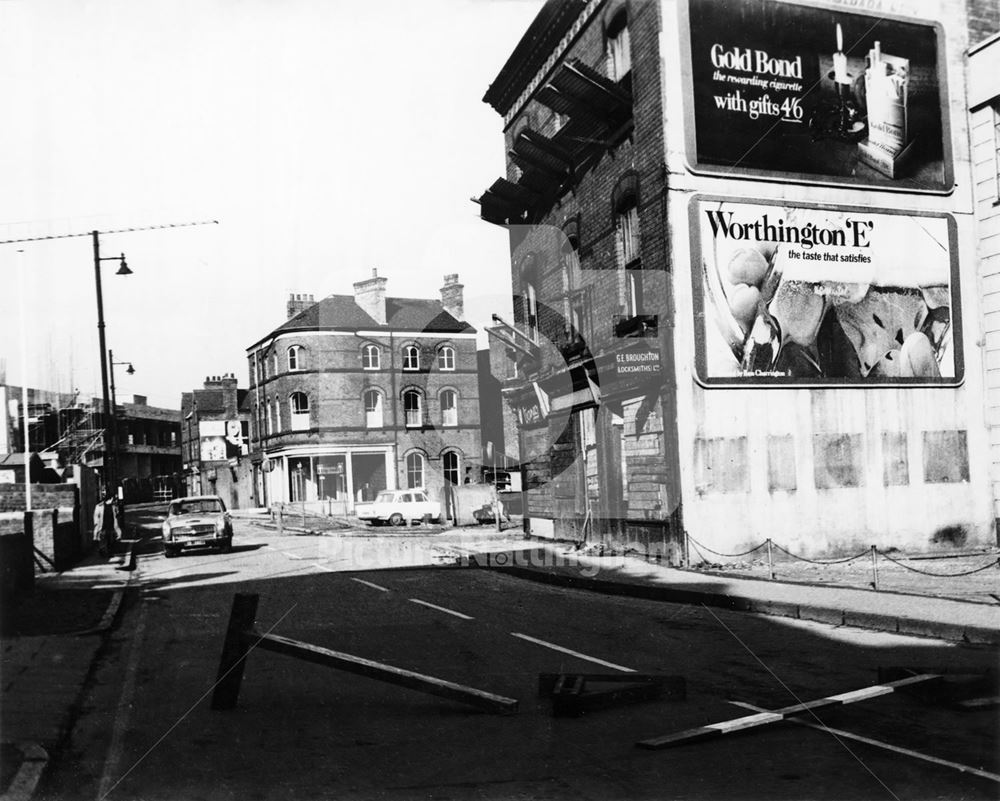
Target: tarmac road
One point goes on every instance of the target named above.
(305, 731)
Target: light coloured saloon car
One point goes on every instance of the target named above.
(397, 507)
(198, 522)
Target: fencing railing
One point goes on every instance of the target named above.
(872, 552)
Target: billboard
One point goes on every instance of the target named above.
(783, 91)
(810, 295)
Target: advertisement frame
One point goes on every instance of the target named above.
(696, 167)
(703, 324)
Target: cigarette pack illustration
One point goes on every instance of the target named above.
(888, 145)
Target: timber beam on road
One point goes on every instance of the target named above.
(764, 718)
(242, 638)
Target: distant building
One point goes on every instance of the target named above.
(215, 433)
(358, 393)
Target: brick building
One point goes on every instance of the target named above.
(703, 352)
(215, 433)
(363, 392)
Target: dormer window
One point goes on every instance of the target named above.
(411, 357)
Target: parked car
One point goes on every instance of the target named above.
(201, 521)
(397, 507)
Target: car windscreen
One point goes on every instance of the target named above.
(196, 507)
(384, 497)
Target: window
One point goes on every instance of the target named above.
(446, 358)
(412, 411)
(373, 409)
(627, 228)
(274, 363)
(411, 357)
(414, 470)
(299, 402)
(633, 293)
(451, 467)
(531, 309)
(619, 49)
(371, 357)
(295, 358)
(449, 408)
(277, 416)
(268, 422)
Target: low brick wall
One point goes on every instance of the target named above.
(59, 530)
(17, 568)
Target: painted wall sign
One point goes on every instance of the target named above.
(784, 91)
(807, 294)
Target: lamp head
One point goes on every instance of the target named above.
(123, 270)
(131, 369)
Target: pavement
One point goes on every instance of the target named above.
(47, 654)
(59, 631)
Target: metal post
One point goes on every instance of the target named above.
(110, 479)
(875, 568)
(25, 446)
(770, 562)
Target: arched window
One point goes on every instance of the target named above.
(446, 358)
(414, 470)
(531, 309)
(619, 49)
(296, 358)
(449, 407)
(274, 363)
(412, 408)
(299, 404)
(451, 466)
(411, 357)
(371, 357)
(277, 416)
(373, 408)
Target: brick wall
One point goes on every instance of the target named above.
(984, 19)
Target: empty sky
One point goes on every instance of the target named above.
(327, 137)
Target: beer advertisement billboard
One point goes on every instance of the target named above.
(810, 295)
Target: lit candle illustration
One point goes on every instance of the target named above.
(840, 60)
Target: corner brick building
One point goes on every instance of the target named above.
(358, 393)
(668, 393)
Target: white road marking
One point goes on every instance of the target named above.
(293, 556)
(369, 584)
(577, 654)
(324, 568)
(441, 609)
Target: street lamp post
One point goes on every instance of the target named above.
(110, 435)
(114, 421)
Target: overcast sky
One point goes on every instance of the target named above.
(327, 137)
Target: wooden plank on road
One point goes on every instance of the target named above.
(764, 718)
(386, 673)
(879, 744)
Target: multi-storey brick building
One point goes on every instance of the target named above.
(354, 394)
(215, 433)
(704, 354)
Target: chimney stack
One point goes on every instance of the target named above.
(451, 297)
(370, 296)
(298, 303)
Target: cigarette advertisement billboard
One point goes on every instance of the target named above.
(809, 295)
(783, 91)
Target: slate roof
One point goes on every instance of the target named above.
(341, 313)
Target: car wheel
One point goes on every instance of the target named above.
(227, 545)
(396, 519)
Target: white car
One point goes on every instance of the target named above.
(397, 507)
(197, 522)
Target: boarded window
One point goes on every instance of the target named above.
(839, 461)
(781, 464)
(946, 457)
(895, 461)
(721, 465)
